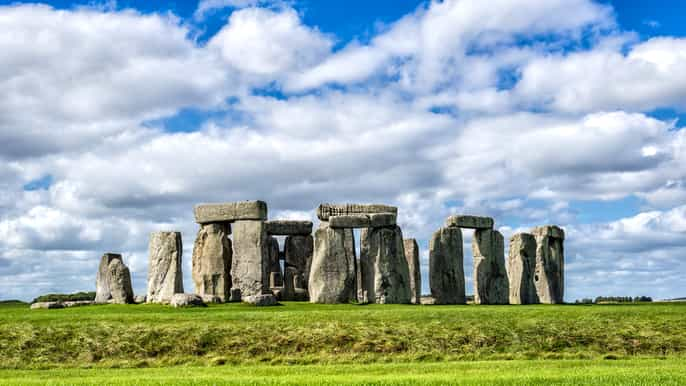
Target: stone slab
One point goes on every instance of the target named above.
(491, 284)
(332, 273)
(165, 276)
(446, 271)
(324, 211)
(549, 231)
(288, 227)
(466, 221)
(412, 257)
(230, 211)
(374, 220)
(521, 266)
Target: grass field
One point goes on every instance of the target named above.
(297, 342)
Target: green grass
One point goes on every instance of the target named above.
(559, 372)
(133, 336)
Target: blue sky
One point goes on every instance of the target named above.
(119, 116)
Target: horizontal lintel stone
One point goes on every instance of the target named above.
(324, 211)
(288, 227)
(230, 211)
(466, 221)
(374, 220)
(550, 231)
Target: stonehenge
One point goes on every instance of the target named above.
(521, 265)
(549, 271)
(239, 255)
(165, 277)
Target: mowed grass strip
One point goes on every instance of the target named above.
(301, 333)
(526, 372)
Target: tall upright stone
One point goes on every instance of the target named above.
(549, 275)
(382, 248)
(250, 264)
(212, 256)
(119, 280)
(298, 251)
(521, 267)
(102, 286)
(412, 257)
(275, 274)
(490, 277)
(165, 277)
(446, 270)
(332, 273)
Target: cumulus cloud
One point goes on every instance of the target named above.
(513, 109)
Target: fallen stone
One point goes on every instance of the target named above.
(490, 277)
(165, 277)
(332, 274)
(119, 280)
(230, 211)
(549, 274)
(324, 211)
(446, 271)
(412, 257)
(187, 300)
(47, 305)
(211, 299)
(427, 300)
(140, 299)
(212, 253)
(288, 227)
(465, 221)
(102, 287)
(78, 303)
(261, 300)
(382, 249)
(521, 267)
(250, 268)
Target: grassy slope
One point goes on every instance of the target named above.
(302, 333)
(569, 372)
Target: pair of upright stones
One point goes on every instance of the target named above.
(113, 281)
(380, 275)
(536, 266)
(240, 268)
(446, 272)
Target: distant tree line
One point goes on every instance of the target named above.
(65, 297)
(614, 299)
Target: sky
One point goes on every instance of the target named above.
(117, 117)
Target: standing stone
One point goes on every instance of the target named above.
(250, 269)
(212, 260)
(164, 270)
(298, 259)
(119, 279)
(490, 277)
(332, 274)
(382, 249)
(412, 257)
(102, 287)
(549, 275)
(521, 266)
(274, 263)
(446, 271)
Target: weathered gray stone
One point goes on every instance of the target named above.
(288, 227)
(446, 271)
(46, 305)
(549, 275)
(490, 277)
(164, 269)
(349, 221)
(465, 221)
(521, 266)
(119, 280)
(261, 300)
(212, 254)
(230, 211)
(211, 299)
(324, 211)
(427, 300)
(139, 299)
(412, 257)
(235, 296)
(377, 220)
(275, 274)
(332, 275)
(187, 300)
(78, 303)
(382, 249)
(102, 288)
(250, 269)
(298, 258)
